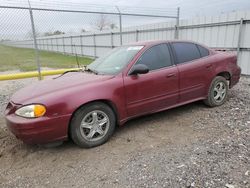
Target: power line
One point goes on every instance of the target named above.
(92, 7)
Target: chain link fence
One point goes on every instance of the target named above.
(63, 33)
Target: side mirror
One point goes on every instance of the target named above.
(139, 69)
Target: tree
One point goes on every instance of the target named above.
(113, 26)
(57, 32)
(29, 35)
(83, 30)
(102, 22)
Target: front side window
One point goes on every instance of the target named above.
(156, 57)
(185, 51)
(115, 61)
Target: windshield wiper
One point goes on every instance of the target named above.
(80, 70)
(91, 70)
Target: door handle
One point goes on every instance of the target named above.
(171, 75)
(209, 66)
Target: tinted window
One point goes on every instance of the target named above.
(156, 57)
(203, 51)
(186, 51)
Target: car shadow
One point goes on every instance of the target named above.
(151, 118)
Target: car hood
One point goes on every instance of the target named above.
(50, 86)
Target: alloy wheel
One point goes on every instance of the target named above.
(219, 92)
(94, 125)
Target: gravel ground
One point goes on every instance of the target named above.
(189, 146)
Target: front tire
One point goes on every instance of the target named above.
(217, 93)
(92, 125)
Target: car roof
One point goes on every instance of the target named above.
(155, 42)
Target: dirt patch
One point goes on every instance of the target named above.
(189, 146)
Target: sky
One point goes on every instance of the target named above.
(189, 8)
(16, 23)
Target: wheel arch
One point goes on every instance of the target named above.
(226, 75)
(105, 101)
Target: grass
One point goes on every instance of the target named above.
(12, 58)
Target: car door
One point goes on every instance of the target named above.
(156, 89)
(194, 70)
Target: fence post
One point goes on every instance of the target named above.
(120, 23)
(51, 42)
(176, 36)
(57, 45)
(71, 44)
(112, 39)
(137, 36)
(239, 39)
(81, 43)
(43, 45)
(63, 45)
(94, 41)
(38, 44)
(47, 42)
(35, 43)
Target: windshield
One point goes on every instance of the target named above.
(115, 61)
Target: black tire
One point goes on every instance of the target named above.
(75, 125)
(211, 101)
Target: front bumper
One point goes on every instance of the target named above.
(40, 130)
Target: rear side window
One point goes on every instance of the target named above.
(156, 57)
(203, 51)
(185, 51)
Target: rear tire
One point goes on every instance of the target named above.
(92, 125)
(217, 93)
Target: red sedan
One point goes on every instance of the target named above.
(131, 81)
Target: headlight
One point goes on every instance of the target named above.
(31, 111)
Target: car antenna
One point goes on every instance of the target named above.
(77, 60)
(78, 64)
